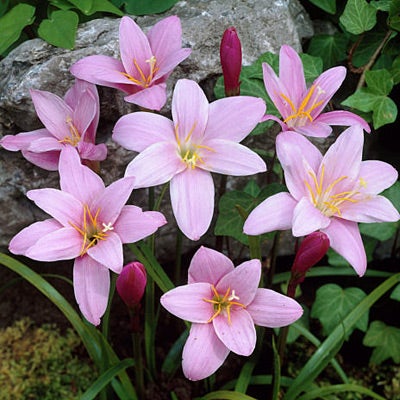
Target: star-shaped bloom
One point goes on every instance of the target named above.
(300, 107)
(202, 138)
(330, 193)
(71, 121)
(146, 62)
(223, 303)
(89, 223)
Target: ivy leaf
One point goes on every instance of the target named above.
(332, 304)
(358, 16)
(331, 48)
(366, 48)
(379, 82)
(3, 7)
(362, 99)
(328, 6)
(385, 112)
(394, 15)
(385, 339)
(229, 221)
(60, 29)
(312, 66)
(89, 7)
(395, 70)
(382, 5)
(144, 7)
(381, 230)
(13, 22)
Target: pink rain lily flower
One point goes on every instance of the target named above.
(146, 62)
(71, 121)
(89, 223)
(300, 107)
(202, 138)
(223, 303)
(330, 193)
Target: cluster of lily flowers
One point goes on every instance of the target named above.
(327, 194)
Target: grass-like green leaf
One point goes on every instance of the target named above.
(60, 29)
(13, 22)
(227, 395)
(386, 342)
(395, 295)
(333, 304)
(358, 16)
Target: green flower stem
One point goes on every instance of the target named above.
(137, 355)
(105, 326)
(150, 322)
(178, 256)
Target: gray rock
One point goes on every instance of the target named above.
(262, 26)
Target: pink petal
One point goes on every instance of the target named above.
(199, 364)
(244, 280)
(165, 37)
(23, 140)
(102, 70)
(238, 335)
(343, 158)
(139, 130)
(62, 206)
(48, 160)
(192, 199)
(189, 110)
(31, 234)
(168, 64)
(53, 112)
(86, 112)
(307, 218)
(89, 151)
(372, 209)
(44, 144)
(273, 310)
(298, 156)
(155, 165)
(78, 89)
(230, 158)
(328, 82)
(342, 118)
(91, 287)
(187, 302)
(291, 73)
(345, 239)
(62, 244)
(133, 224)
(134, 46)
(76, 179)
(314, 129)
(208, 265)
(233, 118)
(274, 213)
(377, 176)
(108, 252)
(112, 199)
(152, 98)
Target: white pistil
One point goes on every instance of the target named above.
(107, 227)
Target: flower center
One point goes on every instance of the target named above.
(91, 230)
(189, 152)
(300, 115)
(74, 137)
(143, 80)
(324, 197)
(223, 303)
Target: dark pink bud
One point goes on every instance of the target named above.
(311, 250)
(131, 283)
(231, 61)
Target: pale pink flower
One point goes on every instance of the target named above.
(71, 121)
(223, 303)
(331, 193)
(90, 224)
(146, 62)
(202, 138)
(300, 107)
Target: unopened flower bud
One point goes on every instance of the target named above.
(231, 61)
(311, 250)
(131, 283)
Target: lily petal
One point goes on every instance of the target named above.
(345, 239)
(274, 213)
(187, 302)
(137, 131)
(48, 160)
(133, 224)
(233, 118)
(199, 364)
(23, 140)
(273, 310)
(377, 176)
(230, 158)
(238, 334)
(44, 144)
(314, 129)
(152, 98)
(192, 199)
(91, 287)
(342, 118)
(208, 265)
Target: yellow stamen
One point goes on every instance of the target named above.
(144, 80)
(74, 137)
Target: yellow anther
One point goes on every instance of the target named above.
(74, 137)
(144, 80)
